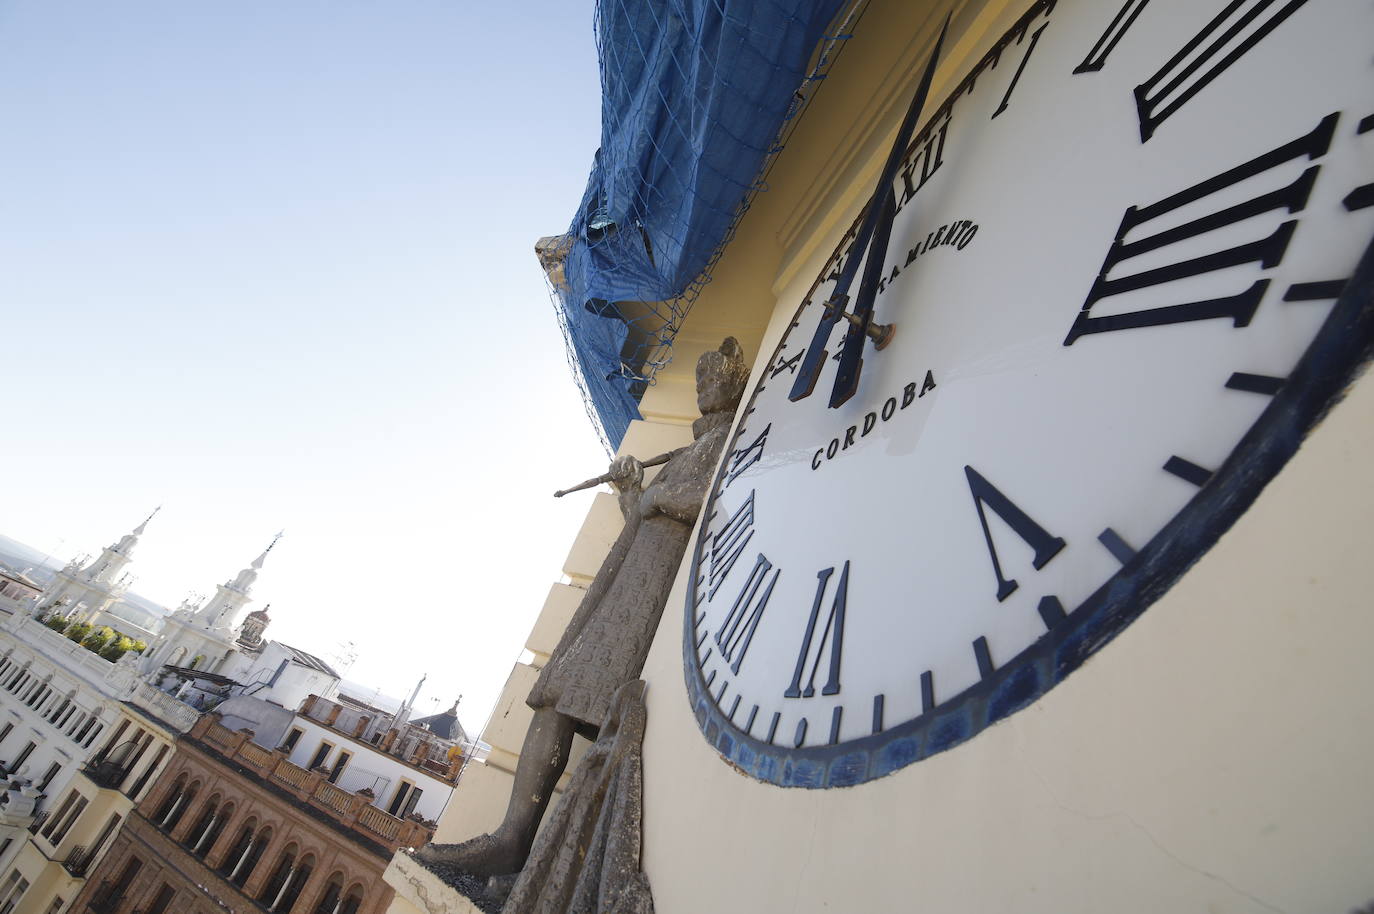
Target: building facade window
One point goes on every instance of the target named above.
(147, 774)
(51, 773)
(62, 810)
(23, 757)
(110, 894)
(66, 824)
(399, 798)
(105, 833)
(321, 754)
(162, 901)
(12, 890)
(291, 739)
(272, 889)
(249, 862)
(339, 764)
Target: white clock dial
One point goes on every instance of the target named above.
(1120, 253)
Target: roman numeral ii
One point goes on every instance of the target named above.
(832, 629)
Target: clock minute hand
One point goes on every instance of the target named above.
(881, 209)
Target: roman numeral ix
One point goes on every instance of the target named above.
(745, 457)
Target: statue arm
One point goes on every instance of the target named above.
(681, 488)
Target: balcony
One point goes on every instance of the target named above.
(415, 746)
(79, 860)
(106, 774)
(352, 811)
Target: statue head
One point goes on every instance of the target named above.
(721, 376)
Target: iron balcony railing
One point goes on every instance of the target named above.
(107, 774)
(79, 860)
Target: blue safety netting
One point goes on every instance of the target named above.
(696, 96)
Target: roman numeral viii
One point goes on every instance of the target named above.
(833, 629)
(737, 631)
(727, 545)
(1044, 545)
(1267, 251)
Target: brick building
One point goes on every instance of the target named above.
(233, 826)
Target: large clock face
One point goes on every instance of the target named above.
(1123, 275)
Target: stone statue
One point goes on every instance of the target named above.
(605, 644)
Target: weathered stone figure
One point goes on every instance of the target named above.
(605, 644)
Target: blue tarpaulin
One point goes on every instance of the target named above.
(694, 95)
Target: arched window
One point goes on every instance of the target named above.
(353, 899)
(179, 810)
(168, 803)
(332, 895)
(207, 818)
(211, 837)
(250, 863)
(238, 850)
(300, 875)
(277, 881)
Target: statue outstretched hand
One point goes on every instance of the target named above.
(627, 478)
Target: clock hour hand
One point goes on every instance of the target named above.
(881, 208)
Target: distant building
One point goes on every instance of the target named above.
(17, 590)
(114, 773)
(300, 813)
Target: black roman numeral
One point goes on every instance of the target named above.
(833, 630)
(1267, 252)
(781, 364)
(743, 458)
(1016, 77)
(737, 630)
(727, 545)
(1206, 56)
(1041, 542)
(925, 161)
(1125, 17)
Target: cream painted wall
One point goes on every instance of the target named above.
(1214, 757)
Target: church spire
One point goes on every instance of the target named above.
(138, 531)
(233, 595)
(257, 562)
(126, 543)
(403, 715)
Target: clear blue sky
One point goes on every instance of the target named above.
(270, 265)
